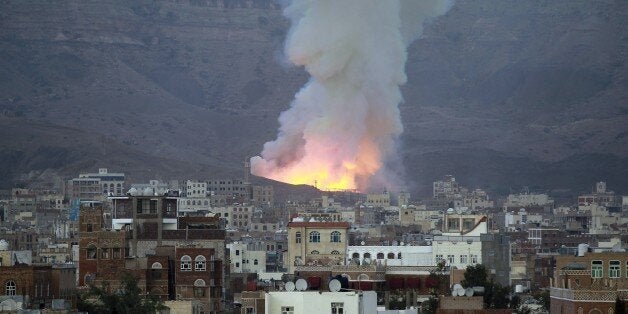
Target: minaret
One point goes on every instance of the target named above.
(247, 171)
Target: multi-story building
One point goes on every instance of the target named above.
(84, 189)
(378, 199)
(112, 183)
(36, 286)
(496, 256)
(195, 189)
(600, 196)
(316, 242)
(247, 257)
(263, 195)
(230, 187)
(589, 282)
(460, 244)
(198, 276)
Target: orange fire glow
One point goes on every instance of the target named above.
(322, 168)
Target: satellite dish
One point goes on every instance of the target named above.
(301, 285)
(289, 286)
(362, 243)
(334, 285)
(468, 292)
(458, 290)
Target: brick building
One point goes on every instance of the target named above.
(38, 285)
(589, 282)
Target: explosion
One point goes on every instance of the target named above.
(342, 127)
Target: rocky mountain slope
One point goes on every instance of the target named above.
(500, 93)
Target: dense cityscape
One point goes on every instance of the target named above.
(226, 245)
(313, 157)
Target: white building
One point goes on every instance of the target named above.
(526, 200)
(392, 255)
(314, 302)
(521, 217)
(112, 183)
(195, 189)
(461, 246)
(247, 257)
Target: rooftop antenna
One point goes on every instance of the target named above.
(316, 184)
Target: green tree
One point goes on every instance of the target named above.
(127, 299)
(496, 296)
(475, 276)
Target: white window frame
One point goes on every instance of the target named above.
(186, 263)
(597, 269)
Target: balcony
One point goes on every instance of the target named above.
(583, 295)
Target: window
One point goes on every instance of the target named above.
(237, 264)
(199, 292)
(199, 263)
(9, 288)
(104, 253)
(474, 259)
(380, 255)
(315, 236)
(451, 259)
(91, 252)
(334, 252)
(597, 269)
(255, 262)
(399, 255)
(237, 252)
(337, 308)
(186, 263)
(439, 257)
(615, 269)
(463, 259)
(117, 253)
(315, 252)
(287, 310)
(390, 256)
(335, 236)
(297, 238)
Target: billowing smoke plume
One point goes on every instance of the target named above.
(342, 126)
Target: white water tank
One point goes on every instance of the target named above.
(519, 289)
(582, 249)
(4, 245)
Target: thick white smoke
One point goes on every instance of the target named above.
(342, 125)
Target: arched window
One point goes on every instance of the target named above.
(355, 255)
(297, 238)
(186, 263)
(315, 236)
(334, 252)
(367, 255)
(10, 288)
(335, 236)
(199, 263)
(199, 283)
(391, 255)
(380, 255)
